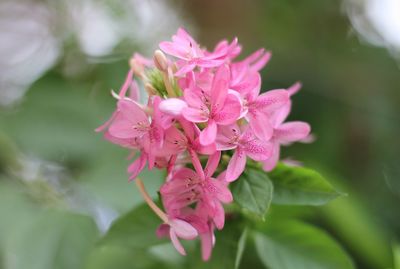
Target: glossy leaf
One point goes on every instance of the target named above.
(136, 229)
(253, 191)
(295, 245)
(300, 186)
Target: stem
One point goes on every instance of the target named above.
(150, 201)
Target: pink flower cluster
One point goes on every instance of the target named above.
(208, 116)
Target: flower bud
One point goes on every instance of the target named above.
(150, 89)
(160, 61)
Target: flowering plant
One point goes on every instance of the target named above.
(205, 122)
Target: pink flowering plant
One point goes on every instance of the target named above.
(217, 136)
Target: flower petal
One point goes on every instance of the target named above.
(172, 106)
(175, 241)
(206, 245)
(236, 165)
(137, 166)
(212, 163)
(260, 125)
(194, 115)
(271, 100)
(258, 150)
(162, 230)
(230, 112)
(208, 135)
(183, 229)
(292, 131)
(270, 163)
(219, 88)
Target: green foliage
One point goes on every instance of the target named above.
(241, 247)
(295, 245)
(253, 191)
(56, 240)
(300, 186)
(136, 229)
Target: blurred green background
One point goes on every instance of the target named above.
(61, 184)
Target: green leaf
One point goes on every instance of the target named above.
(116, 257)
(300, 186)
(241, 247)
(295, 245)
(55, 240)
(253, 191)
(136, 229)
(396, 256)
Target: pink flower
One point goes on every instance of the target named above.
(216, 107)
(184, 47)
(245, 144)
(285, 133)
(259, 109)
(177, 228)
(187, 187)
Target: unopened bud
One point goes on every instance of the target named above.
(150, 89)
(160, 61)
(136, 67)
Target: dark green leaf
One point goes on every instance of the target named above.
(300, 186)
(136, 229)
(253, 191)
(295, 245)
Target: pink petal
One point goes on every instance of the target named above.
(132, 111)
(208, 135)
(260, 125)
(134, 91)
(230, 112)
(219, 88)
(251, 84)
(294, 88)
(292, 131)
(257, 66)
(226, 135)
(219, 216)
(220, 190)
(137, 166)
(194, 115)
(124, 128)
(236, 165)
(175, 241)
(210, 63)
(172, 106)
(162, 230)
(212, 163)
(206, 245)
(206, 150)
(185, 69)
(271, 100)
(127, 83)
(183, 229)
(270, 163)
(258, 150)
(107, 123)
(281, 114)
(174, 49)
(194, 97)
